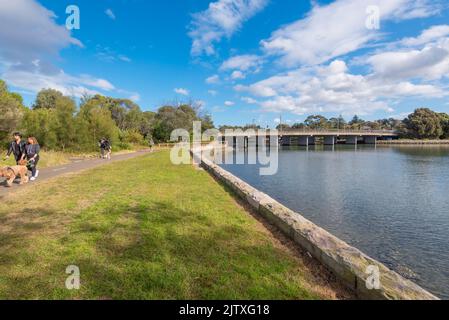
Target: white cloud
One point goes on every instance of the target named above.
(109, 55)
(212, 92)
(28, 32)
(67, 84)
(182, 91)
(419, 9)
(213, 79)
(222, 19)
(425, 57)
(229, 103)
(249, 100)
(238, 75)
(242, 63)
(429, 35)
(97, 83)
(124, 58)
(430, 63)
(30, 42)
(110, 13)
(332, 88)
(336, 29)
(135, 97)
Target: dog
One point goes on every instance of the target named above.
(10, 173)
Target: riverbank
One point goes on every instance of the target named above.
(50, 158)
(349, 264)
(413, 142)
(147, 229)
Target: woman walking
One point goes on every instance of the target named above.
(32, 155)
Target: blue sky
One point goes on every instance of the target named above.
(244, 61)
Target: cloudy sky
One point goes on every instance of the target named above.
(244, 60)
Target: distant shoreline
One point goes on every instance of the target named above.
(413, 142)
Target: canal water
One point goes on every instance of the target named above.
(390, 202)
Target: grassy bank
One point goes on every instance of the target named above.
(50, 158)
(144, 229)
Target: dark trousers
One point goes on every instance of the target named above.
(34, 167)
(18, 158)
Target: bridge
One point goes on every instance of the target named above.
(309, 137)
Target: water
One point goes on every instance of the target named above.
(390, 202)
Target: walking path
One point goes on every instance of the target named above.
(75, 166)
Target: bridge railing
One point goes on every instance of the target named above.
(338, 131)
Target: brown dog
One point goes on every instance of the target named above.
(10, 173)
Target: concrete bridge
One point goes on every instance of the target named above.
(308, 137)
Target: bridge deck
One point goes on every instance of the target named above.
(315, 133)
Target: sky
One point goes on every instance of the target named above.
(243, 61)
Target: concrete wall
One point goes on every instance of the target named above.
(346, 262)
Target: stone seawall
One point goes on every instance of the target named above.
(349, 265)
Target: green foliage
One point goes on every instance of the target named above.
(424, 124)
(316, 122)
(444, 118)
(11, 111)
(41, 123)
(48, 99)
(58, 124)
(97, 122)
(357, 123)
(337, 123)
(169, 118)
(132, 137)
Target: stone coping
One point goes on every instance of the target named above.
(349, 265)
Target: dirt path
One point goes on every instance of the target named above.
(75, 166)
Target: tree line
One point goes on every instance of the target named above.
(60, 123)
(423, 123)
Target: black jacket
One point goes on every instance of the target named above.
(18, 150)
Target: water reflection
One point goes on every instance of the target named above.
(390, 202)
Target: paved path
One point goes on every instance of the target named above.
(75, 166)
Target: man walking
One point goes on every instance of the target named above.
(17, 148)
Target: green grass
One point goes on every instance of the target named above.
(49, 158)
(142, 229)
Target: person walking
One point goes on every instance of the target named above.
(17, 148)
(32, 155)
(102, 148)
(105, 148)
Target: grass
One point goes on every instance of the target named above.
(50, 158)
(143, 229)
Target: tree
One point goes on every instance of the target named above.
(299, 126)
(147, 125)
(48, 99)
(316, 122)
(337, 123)
(424, 124)
(11, 111)
(356, 123)
(65, 127)
(207, 123)
(444, 118)
(59, 114)
(169, 118)
(97, 122)
(41, 123)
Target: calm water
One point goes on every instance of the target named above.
(390, 202)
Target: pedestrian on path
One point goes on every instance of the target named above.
(32, 155)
